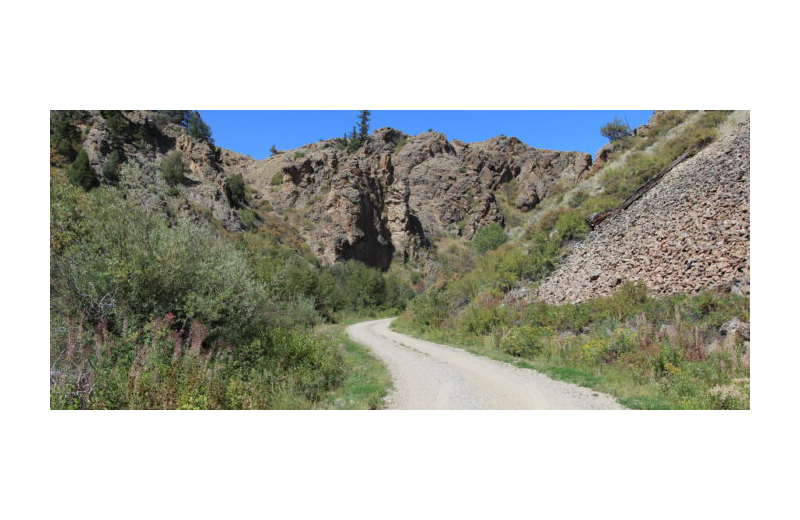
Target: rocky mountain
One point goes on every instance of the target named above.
(398, 194)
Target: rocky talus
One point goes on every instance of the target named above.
(690, 232)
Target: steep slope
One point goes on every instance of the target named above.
(689, 232)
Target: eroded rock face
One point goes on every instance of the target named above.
(398, 193)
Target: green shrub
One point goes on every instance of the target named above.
(80, 173)
(111, 167)
(526, 341)
(277, 179)
(248, 218)
(131, 256)
(488, 238)
(172, 169)
(298, 155)
(479, 319)
(172, 191)
(234, 189)
(571, 225)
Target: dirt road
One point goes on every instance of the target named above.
(430, 376)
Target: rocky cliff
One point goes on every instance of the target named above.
(399, 194)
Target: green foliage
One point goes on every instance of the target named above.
(235, 190)
(525, 340)
(197, 128)
(65, 137)
(273, 150)
(571, 225)
(462, 170)
(172, 191)
(489, 237)
(111, 167)
(122, 130)
(81, 174)
(172, 169)
(363, 125)
(298, 155)
(615, 130)
(130, 263)
(248, 218)
(277, 179)
(193, 123)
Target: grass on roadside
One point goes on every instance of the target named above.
(366, 382)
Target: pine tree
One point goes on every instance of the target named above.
(273, 150)
(363, 125)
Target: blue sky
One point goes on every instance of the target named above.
(252, 132)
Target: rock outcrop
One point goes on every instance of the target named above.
(397, 194)
(690, 232)
(206, 167)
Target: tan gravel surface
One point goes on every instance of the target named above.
(430, 376)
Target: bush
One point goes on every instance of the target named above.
(131, 264)
(248, 218)
(172, 169)
(526, 341)
(298, 155)
(277, 179)
(111, 167)
(488, 238)
(80, 173)
(571, 225)
(234, 189)
(172, 191)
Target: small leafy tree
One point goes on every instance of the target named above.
(80, 173)
(273, 150)
(488, 238)
(172, 168)
(615, 130)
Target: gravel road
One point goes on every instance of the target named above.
(430, 376)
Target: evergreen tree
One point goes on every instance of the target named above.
(273, 150)
(363, 125)
(198, 128)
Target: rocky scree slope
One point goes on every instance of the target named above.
(690, 232)
(397, 195)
